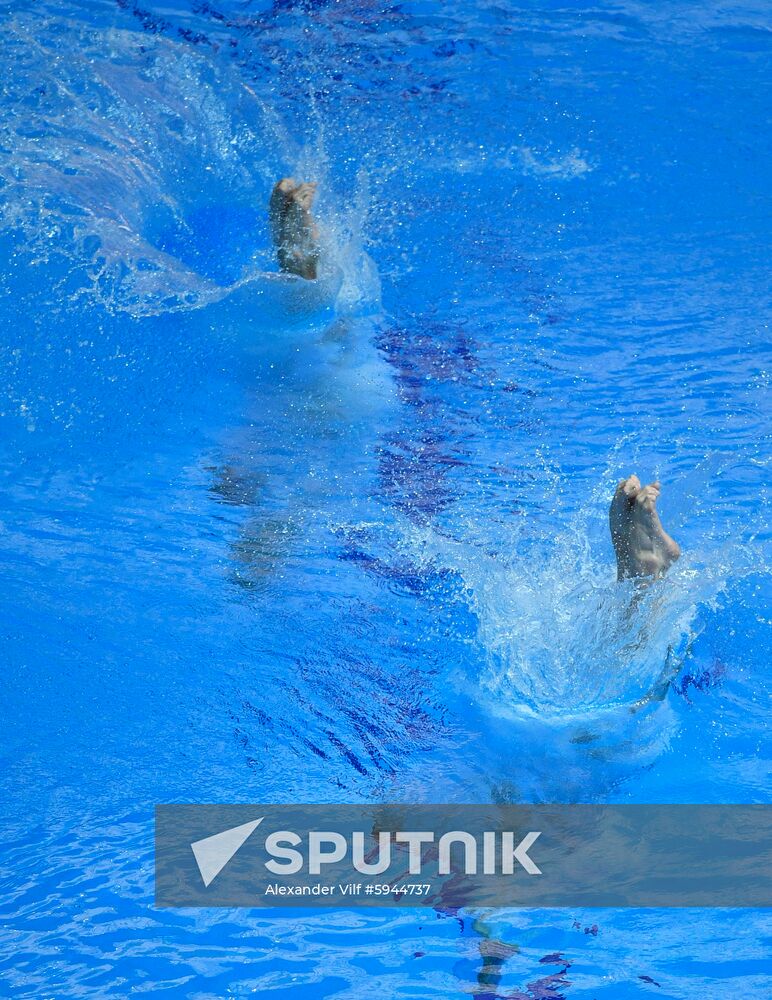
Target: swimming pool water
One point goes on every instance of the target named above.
(263, 547)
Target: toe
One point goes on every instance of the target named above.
(647, 497)
(632, 486)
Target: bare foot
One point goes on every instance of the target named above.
(293, 228)
(642, 546)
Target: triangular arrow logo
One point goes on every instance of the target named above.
(213, 853)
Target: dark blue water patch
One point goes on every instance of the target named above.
(701, 680)
(150, 22)
(426, 348)
(413, 470)
(410, 580)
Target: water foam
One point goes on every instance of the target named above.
(558, 636)
(108, 155)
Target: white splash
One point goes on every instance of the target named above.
(566, 167)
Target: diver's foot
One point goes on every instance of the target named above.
(642, 546)
(293, 227)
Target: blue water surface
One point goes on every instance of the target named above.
(266, 544)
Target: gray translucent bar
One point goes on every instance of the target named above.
(510, 856)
